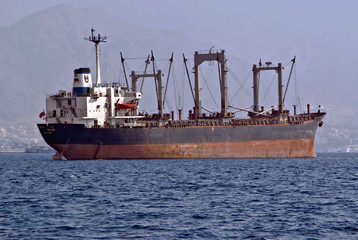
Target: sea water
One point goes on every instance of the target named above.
(179, 199)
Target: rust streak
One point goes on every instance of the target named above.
(250, 149)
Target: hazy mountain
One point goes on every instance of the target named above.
(40, 52)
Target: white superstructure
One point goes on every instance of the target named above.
(108, 105)
(95, 105)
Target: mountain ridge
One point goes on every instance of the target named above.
(40, 52)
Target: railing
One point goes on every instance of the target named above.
(209, 51)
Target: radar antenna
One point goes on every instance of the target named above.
(96, 40)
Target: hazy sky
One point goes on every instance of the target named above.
(193, 16)
(322, 33)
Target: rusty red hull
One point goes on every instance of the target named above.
(290, 148)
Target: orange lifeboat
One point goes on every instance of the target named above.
(132, 106)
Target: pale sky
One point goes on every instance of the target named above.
(323, 33)
(193, 16)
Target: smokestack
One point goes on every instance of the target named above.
(82, 81)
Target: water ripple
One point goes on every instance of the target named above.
(179, 199)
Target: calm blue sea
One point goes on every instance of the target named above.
(179, 199)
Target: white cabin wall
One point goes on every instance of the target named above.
(98, 106)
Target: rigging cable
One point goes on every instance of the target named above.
(297, 95)
(182, 87)
(90, 55)
(289, 78)
(241, 87)
(188, 75)
(124, 70)
(108, 67)
(154, 74)
(167, 82)
(147, 62)
(175, 89)
(208, 86)
(127, 67)
(269, 87)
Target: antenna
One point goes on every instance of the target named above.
(96, 40)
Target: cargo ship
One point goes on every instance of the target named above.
(102, 121)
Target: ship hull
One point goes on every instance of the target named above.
(75, 141)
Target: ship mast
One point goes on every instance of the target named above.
(96, 40)
(220, 57)
(256, 71)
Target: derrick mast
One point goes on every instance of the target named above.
(209, 56)
(256, 70)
